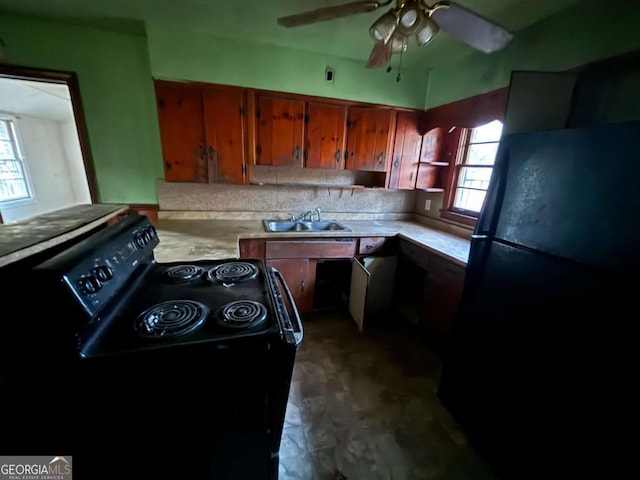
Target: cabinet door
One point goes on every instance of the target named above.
(280, 134)
(181, 132)
(437, 158)
(360, 278)
(300, 275)
(325, 136)
(370, 291)
(445, 282)
(406, 152)
(224, 130)
(368, 138)
(429, 154)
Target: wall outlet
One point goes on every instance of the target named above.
(427, 205)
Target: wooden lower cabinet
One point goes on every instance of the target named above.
(445, 281)
(300, 276)
(427, 291)
(297, 259)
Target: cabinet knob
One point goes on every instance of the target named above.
(396, 163)
(337, 156)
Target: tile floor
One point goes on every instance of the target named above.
(365, 405)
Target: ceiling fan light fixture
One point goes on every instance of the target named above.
(410, 18)
(399, 43)
(382, 29)
(427, 31)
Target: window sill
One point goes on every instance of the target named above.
(9, 204)
(458, 217)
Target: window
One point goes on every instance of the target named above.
(478, 150)
(13, 179)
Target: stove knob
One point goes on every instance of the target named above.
(140, 240)
(90, 285)
(103, 273)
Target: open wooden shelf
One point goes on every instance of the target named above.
(328, 186)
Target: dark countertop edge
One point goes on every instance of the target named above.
(52, 242)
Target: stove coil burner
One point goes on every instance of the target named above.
(183, 273)
(171, 319)
(233, 272)
(242, 314)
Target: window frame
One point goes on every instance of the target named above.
(451, 212)
(21, 159)
(71, 80)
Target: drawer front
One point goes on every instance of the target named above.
(415, 254)
(310, 249)
(370, 245)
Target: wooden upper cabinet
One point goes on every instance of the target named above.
(280, 131)
(438, 158)
(202, 132)
(325, 142)
(368, 138)
(225, 135)
(406, 152)
(181, 132)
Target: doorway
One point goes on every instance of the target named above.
(45, 161)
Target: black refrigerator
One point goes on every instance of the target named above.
(535, 373)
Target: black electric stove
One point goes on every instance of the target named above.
(187, 364)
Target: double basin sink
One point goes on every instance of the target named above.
(272, 225)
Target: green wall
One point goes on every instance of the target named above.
(115, 71)
(117, 95)
(197, 56)
(115, 76)
(586, 32)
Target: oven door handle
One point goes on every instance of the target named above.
(298, 335)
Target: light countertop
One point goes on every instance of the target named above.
(23, 238)
(185, 240)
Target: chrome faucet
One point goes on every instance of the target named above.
(306, 216)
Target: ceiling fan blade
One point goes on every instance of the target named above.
(328, 13)
(471, 28)
(380, 55)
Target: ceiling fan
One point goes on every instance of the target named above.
(411, 18)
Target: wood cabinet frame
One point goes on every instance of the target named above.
(251, 97)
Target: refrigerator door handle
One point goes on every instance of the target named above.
(488, 219)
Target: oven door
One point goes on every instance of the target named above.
(287, 309)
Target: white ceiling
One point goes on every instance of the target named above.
(50, 101)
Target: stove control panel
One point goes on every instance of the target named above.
(96, 269)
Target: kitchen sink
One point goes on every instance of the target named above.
(304, 226)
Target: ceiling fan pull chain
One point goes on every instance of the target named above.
(400, 67)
